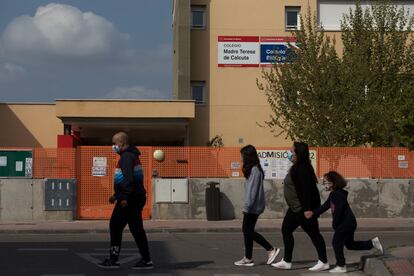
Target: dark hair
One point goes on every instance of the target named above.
(250, 159)
(337, 180)
(302, 159)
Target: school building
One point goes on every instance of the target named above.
(219, 50)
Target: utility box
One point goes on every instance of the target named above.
(171, 190)
(60, 194)
(16, 163)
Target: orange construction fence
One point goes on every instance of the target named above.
(201, 162)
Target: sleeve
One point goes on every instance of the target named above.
(127, 168)
(338, 214)
(323, 208)
(303, 183)
(252, 189)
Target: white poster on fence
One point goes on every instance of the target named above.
(276, 164)
(99, 165)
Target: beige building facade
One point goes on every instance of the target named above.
(231, 105)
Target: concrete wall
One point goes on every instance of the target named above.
(368, 199)
(23, 200)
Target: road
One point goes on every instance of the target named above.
(173, 254)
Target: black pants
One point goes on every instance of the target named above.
(249, 222)
(131, 215)
(346, 238)
(290, 223)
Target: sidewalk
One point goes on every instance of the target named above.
(398, 261)
(154, 226)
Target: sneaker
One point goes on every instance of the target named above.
(283, 265)
(377, 245)
(338, 269)
(244, 262)
(320, 266)
(109, 264)
(143, 265)
(272, 255)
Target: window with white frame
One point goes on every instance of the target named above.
(331, 13)
(198, 91)
(198, 17)
(292, 18)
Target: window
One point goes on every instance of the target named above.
(198, 17)
(197, 91)
(292, 18)
(330, 13)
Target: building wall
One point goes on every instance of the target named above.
(235, 106)
(29, 125)
(181, 49)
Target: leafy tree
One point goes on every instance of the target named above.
(360, 97)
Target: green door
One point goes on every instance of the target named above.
(14, 163)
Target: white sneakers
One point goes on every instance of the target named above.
(377, 245)
(272, 255)
(320, 266)
(338, 269)
(244, 262)
(283, 265)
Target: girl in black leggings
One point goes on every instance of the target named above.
(254, 205)
(344, 222)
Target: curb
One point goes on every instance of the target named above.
(374, 265)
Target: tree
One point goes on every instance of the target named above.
(357, 98)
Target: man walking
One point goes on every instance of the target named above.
(129, 199)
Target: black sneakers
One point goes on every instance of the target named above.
(108, 264)
(143, 265)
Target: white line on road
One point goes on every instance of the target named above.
(237, 274)
(95, 257)
(122, 249)
(43, 249)
(151, 274)
(62, 275)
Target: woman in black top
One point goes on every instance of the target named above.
(343, 221)
(302, 196)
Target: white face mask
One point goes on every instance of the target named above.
(116, 148)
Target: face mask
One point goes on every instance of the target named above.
(116, 148)
(290, 156)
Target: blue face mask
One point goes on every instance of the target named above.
(116, 148)
(290, 155)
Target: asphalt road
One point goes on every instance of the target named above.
(172, 253)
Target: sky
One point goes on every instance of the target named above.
(77, 49)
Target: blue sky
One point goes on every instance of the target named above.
(85, 49)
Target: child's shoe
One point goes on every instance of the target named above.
(377, 245)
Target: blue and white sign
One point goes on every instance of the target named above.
(275, 50)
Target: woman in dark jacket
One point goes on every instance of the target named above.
(302, 196)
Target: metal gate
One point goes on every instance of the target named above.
(96, 174)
